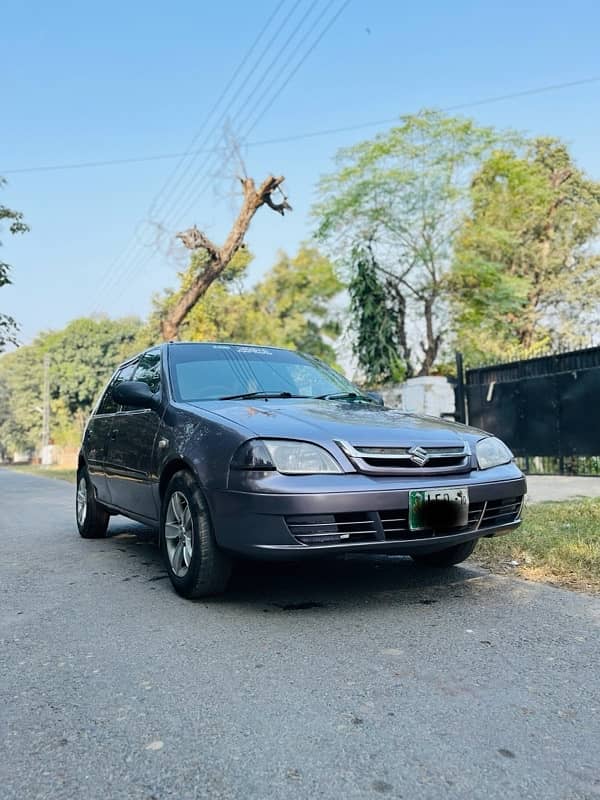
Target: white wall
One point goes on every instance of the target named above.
(432, 395)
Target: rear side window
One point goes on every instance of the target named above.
(107, 404)
(148, 370)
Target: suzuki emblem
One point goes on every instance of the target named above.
(419, 455)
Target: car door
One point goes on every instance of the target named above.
(95, 442)
(97, 435)
(131, 447)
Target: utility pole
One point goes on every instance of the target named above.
(460, 414)
(46, 405)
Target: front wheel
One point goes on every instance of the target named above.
(92, 518)
(196, 565)
(448, 557)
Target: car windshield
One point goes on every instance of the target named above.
(219, 371)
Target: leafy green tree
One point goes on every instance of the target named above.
(376, 344)
(404, 193)
(84, 354)
(21, 399)
(294, 301)
(8, 326)
(82, 358)
(526, 269)
(289, 307)
(214, 315)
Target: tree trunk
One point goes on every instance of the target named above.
(219, 258)
(432, 343)
(399, 306)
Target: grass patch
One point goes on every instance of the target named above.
(61, 473)
(558, 543)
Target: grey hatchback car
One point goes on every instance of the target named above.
(244, 450)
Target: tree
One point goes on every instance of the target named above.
(214, 316)
(376, 344)
(21, 398)
(404, 194)
(526, 271)
(82, 357)
(289, 307)
(213, 260)
(8, 326)
(294, 303)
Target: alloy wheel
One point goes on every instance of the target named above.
(179, 534)
(81, 500)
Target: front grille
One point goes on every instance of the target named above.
(395, 463)
(499, 512)
(425, 460)
(392, 525)
(333, 528)
(395, 524)
(400, 452)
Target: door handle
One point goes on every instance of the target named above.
(114, 433)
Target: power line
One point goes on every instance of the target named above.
(223, 94)
(235, 96)
(299, 64)
(198, 180)
(292, 138)
(201, 174)
(164, 210)
(110, 280)
(259, 110)
(263, 111)
(282, 56)
(196, 184)
(343, 129)
(455, 107)
(130, 248)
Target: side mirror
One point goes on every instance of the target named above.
(377, 396)
(134, 393)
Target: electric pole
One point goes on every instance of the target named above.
(46, 406)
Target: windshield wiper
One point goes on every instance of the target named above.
(345, 396)
(265, 395)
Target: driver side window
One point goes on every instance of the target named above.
(148, 370)
(108, 404)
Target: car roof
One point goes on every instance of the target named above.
(162, 345)
(234, 344)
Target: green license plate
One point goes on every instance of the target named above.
(438, 508)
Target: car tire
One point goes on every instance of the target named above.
(184, 521)
(448, 557)
(92, 517)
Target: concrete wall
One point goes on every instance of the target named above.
(59, 456)
(432, 395)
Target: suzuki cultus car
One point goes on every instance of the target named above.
(239, 450)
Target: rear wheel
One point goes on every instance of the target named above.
(92, 518)
(448, 557)
(196, 565)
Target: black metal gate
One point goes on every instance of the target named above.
(546, 409)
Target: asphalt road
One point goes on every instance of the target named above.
(365, 678)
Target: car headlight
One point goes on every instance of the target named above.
(286, 456)
(491, 452)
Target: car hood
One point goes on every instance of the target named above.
(357, 423)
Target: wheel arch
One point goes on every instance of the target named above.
(171, 468)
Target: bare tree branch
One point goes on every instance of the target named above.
(194, 239)
(220, 257)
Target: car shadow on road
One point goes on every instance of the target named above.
(346, 581)
(311, 584)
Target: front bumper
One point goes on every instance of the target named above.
(302, 523)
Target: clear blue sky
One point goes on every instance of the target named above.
(84, 82)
